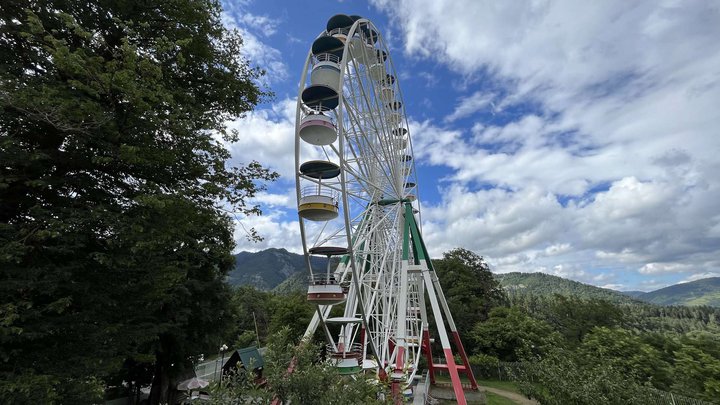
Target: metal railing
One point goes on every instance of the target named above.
(326, 57)
(323, 279)
(319, 110)
(319, 190)
(339, 31)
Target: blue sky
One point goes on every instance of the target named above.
(573, 138)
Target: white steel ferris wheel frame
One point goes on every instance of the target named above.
(384, 315)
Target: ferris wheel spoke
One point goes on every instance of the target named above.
(355, 204)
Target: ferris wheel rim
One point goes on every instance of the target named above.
(351, 224)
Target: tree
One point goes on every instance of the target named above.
(292, 312)
(314, 380)
(627, 353)
(574, 317)
(697, 373)
(469, 287)
(511, 335)
(562, 378)
(254, 311)
(114, 237)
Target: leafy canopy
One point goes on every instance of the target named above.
(114, 190)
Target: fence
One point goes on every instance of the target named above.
(209, 370)
(657, 397)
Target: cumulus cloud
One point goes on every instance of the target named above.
(251, 27)
(268, 136)
(469, 105)
(275, 231)
(617, 158)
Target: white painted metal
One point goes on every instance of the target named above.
(373, 173)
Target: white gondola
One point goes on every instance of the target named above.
(318, 129)
(326, 71)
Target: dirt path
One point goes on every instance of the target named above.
(518, 398)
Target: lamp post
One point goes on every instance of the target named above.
(222, 362)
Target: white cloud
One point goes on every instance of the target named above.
(268, 136)
(618, 158)
(470, 105)
(658, 268)
(275, 231)
(257, 51)
(699, 276)
(557, 249)
(266, 25)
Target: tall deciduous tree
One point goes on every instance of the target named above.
(469, 287)
(113, 240)
(511, 335)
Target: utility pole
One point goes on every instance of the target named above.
(257, 334)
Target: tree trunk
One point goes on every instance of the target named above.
(160, 391)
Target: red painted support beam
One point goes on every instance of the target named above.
(454, 377)
(427, 348)
(466, 362)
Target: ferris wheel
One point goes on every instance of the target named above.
(357, 204)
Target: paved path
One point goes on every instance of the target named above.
(518, 398)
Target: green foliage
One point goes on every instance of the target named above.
(469, 287)
(254, 309)
(672, 320)
(668, 348)
(270, 313)
(313, 380)
(563, 378)
(293, 312)
(626, 352)
(697, 373)
(511, 335)
(114, 241)
(574, 317)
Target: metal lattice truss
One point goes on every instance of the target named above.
(384, 269)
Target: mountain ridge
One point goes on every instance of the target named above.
(266, 269)
(705, 291)
(547, 284)
(285, 272)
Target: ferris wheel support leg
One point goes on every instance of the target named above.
(444, 340)
(320, 313)
(427, 349)
(456, 335)
(431, 285)
(400, 339)
(426, 344)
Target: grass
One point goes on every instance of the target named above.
(492, 398)
(495, 399)
(501, 385)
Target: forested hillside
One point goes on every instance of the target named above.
(699, 292)
(542, 284)
(280, 270)
(570, 348)
(269, 268)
